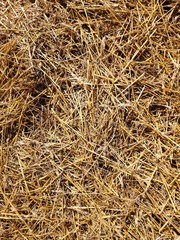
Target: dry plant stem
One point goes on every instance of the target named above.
(89, 119)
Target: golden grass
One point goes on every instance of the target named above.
(89, 119)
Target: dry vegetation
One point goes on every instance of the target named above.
(89, 119)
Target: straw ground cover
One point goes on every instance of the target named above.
(89, 119)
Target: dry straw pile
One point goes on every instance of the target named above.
(89, 119)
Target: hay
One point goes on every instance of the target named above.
(89, 119)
